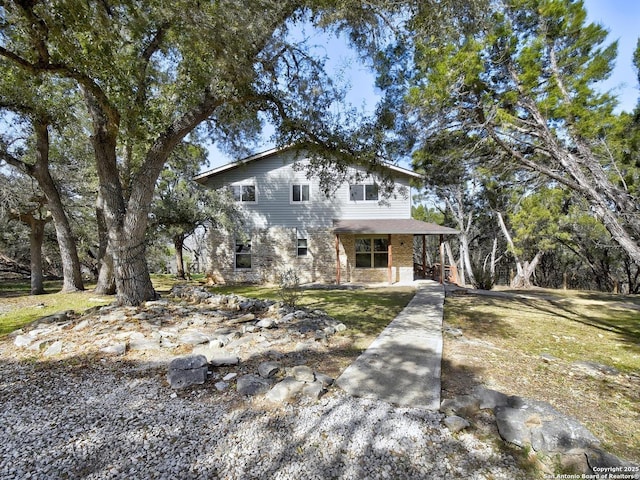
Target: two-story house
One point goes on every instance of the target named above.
(353, 235)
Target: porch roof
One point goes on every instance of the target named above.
(406, 226)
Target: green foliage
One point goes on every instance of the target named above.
(482, 277)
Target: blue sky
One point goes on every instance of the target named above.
(620, 17)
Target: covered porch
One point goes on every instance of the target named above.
(375, 250)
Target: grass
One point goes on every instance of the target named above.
(506, 335)
(366, 312)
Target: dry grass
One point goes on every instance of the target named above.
(506, 334)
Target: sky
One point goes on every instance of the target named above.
(620, 17)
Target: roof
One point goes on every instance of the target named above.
(408, 226)
(202, 177)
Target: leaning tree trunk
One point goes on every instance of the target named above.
(72, 276)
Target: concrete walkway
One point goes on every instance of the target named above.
(402, 365)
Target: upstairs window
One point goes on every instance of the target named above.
(372, 252)
(368, 192)
(243, 254)
(300, 193)
(243, 193)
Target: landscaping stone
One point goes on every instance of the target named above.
(285, 391)
(187, 371)
(593, 368)
(224, 360)
(23, 340)
(325, 380)
(115, 349)
(455, 423)
(252, 385)
(268, 369)
(302, 373)
(312, 391)
(54, 349)
(538, 424)
(193, 338)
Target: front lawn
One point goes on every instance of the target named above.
(535, 344)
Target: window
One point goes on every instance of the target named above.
(243, 193)
(243, 254)
(302, 247)
(367, 192)
(372, 252)
(300, 193)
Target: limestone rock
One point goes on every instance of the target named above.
(252, 385)
(593, 368)
(325, 380)
(187, 371)
(54, 349)
(460, 405)
(23, 340)
(193, 338)
(115, 349)
(530, 422)
(602, 462)
(224, 360)
(313, 391)
(285, 390)
(266, 323)
(302, 373)
(488, 398)
(268, 369)
(455, 423)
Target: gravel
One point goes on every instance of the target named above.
(117, 419)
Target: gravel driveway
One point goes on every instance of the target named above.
(120, 420)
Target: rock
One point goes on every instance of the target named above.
(608, 465)
(313, 391)
(221, 361)
(252, 385)
(220, 386)
(115, 349)
(248, 317)
(454, 332)
(340, 327)
(530, 422)
(287, 318)
(455, 423)
(23, 340)
(210, 350)
(326, 380)
(54, 349)
(266, 323)
(547, 358)
(460, 405)
(193, 338)
(229, 376)
(285, 390)
(593, 368)
(82, 325)
(137, 341)
(268, 369)
(302, 373)
(488, 398)
(187, 371)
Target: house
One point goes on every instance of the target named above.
(352, 235)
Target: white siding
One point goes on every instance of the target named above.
(273, 177)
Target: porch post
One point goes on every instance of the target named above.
(442, 259)
(338, 258)
(424, 256)
(390, 263)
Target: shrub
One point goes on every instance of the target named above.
(482, 278)
(289, 286)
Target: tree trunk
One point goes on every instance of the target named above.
(36, 238)
(523, 278)
(106, 275)
(71, 273)
(178, 243)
